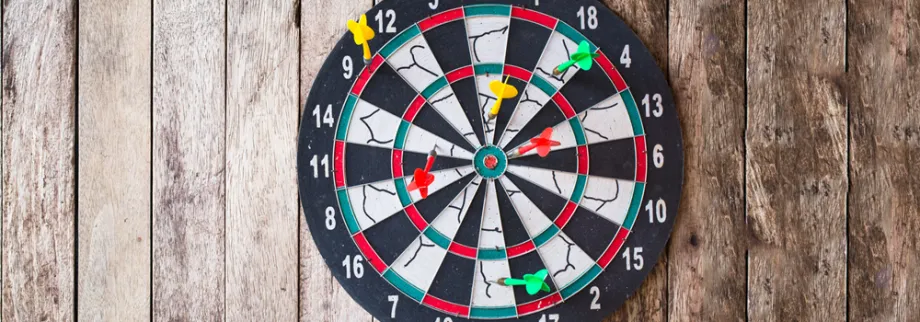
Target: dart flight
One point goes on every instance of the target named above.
(421, 179)
(502, 91)
(362, 34)
(582, 57)
(534, 283)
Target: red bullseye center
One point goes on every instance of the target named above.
(491, 162)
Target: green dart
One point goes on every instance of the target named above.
(534, 282)
(582, 57)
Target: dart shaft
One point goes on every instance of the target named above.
(429, 164)
(367, 50)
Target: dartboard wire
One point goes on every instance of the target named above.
(475, 143)
(568, 198)
(479, 180)
(498, 141)
(482, 219)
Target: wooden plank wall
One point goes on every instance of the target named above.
(136, 138)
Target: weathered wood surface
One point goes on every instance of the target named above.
(189, 143)
(38, 124)
(114, 161)
(261, 129)
(796, 161)
(321, 296)
(649, 19)
(707, 271)
(884, 76)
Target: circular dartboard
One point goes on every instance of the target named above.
(491, 160)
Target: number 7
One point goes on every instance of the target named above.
(394, 299)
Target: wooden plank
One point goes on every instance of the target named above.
(321, 296)
(114, 161)
(884, 231)
(188, 160)
(796, 161)
(38, 122)
(649, 19)
(707, 281)
(262, 114)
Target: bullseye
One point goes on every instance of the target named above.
(490, 162)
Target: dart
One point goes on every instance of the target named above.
(362, 34)
(542, 143)
(534, 283)
(582, 57)
(421, 179)
(501, 90)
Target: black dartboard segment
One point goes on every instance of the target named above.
(595, 213)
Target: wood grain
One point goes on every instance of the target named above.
(262, 108)
(649, 19)
(706, 279)
(884, 230)
(321, 296)
(38, 138)
(796, 161)
(114, 161)
(188, 160)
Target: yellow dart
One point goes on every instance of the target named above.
(502, 91)
(362, 34)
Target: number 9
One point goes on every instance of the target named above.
(348, 66)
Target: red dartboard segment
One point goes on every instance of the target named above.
(339, 164)
(641, 159)
(613, 248)
(611, 71)
(540, 304)
(396, 163)
(517, 72)
(365, 76)
(566, 215)
(459, 73)
(517, 250)
(369, 253)
(462, 250)
(564, 105)
(416, 218)
(535, 17)
(446, 306)
(414, 108)
(583, 159)
(441, 18)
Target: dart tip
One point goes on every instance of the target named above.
(434, 152)
(367, 62)
(501, 281)
(556, 71)
(513, 154)
(491, 116)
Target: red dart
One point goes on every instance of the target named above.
(542, 143)
(421, 179)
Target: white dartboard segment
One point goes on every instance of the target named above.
(491, 235)
(559, 182)
(609, 198)
(442, 179)
(419, 263)
(421, 141)
(449, 220)
(486, 291)
(415, 62)
(488, 38)
(607, 121)
(446, 103)
(534, 220)
(564, 260)
(374, 202)
(532, 101)
(557, 51)
(372, 126)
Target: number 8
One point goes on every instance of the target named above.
(330, 218)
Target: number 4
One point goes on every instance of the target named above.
(624, 57)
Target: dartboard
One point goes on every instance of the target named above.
(490, 160)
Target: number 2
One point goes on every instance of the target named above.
(390, 14)
(590, 20)
(596, 291)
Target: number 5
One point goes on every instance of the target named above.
(433, 5)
